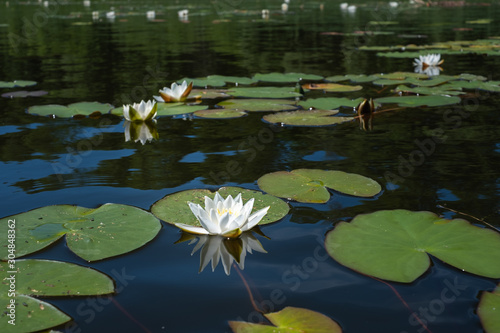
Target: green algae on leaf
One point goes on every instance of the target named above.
(394, 245)
(307, 118)
(92, 234)
(290, 320)
(47, 278)
(310, 185)
(488, 310)
(72, 110)
(259, 104)
(174, 208)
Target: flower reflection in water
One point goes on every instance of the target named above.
(141, 131)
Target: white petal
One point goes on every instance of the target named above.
(204, 218)
(191, 229)
(255, 218)
(126, 112)
(224, 221)
(159, 99)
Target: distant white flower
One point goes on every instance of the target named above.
(150, 14)
(176, 93)
(143, 131)
(428, 64)
(344, 5)
(218, 248)
(225, 217)
(140, 111)
(183, 14)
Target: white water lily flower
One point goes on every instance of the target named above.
(228, 218)
(428, 60)
(142, 111)
(176, 93)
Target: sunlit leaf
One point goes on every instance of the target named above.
(393, 245)
(489, 310)
(174, 207)
(209, 93)
(264, 92)
(164, 109)
(310, 185)
(92, 234)
(72, 110)
(259, 104)
(307, 118)
(290, 320)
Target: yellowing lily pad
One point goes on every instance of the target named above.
(41, 278)
(310, 185)
(489, 310)
(92, 234)
(220, 113)
(264, 92)
(393, 245)
(330, 103)
(416, 101)
(17, 83)
(72, 110)
(332, 87)
(286, 78)
(307, 118)
(174, 207)
(259, 104)
(290, 320)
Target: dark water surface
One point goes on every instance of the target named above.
(160, 290)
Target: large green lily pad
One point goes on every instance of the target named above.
(42, 278)
(286, 78)
(489, 310)
(233, 79)
(356, 78)
(259, 104)
(16, 83)
(220, 113)
(445, 89)
(310, 185)
(168, 109)
(331, 87)
(264, 92)
(307, 118)
(204, 82)
(174, 207)
(72, 110)
(393, 245)
(416, 101)
(92, 234)
(330, 103)
(290, 320)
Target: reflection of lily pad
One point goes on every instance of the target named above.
(92, 234)
(310, 185)
(35, 277)
(174, 207)
(259, 104)
(220, 113)
(24, 93)
(489, 310)
(416, 101)
(392, 245)
(332, 87)
(17, 83)
(264, 92)
(285, 78)
(290, 320)
(306, 118)
(329, 103)
(72, 110)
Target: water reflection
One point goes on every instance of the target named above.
(228, 250)
(141, 131)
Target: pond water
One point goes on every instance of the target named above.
(126, 59)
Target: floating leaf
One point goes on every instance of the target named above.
(310, 185)
(35, 277)
(209, 93)
(174, 207)
(333, 87)
(392, 245)
(307, 118)
(489, 310)
(473, 85)
(352, 77)
(232, 79)
(416, 101)
(445, 89)
(259, 104)
(165, 109)
(72, 110)
(24, 93)
(17, 83)
(285, 78)
(204, 82)
(290, 320)
(220, 113)
(330, 103)
(92, 234)
(264, 92)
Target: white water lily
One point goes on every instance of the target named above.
(176, 93)
(225, 217)
(142, 111)
(428, 60)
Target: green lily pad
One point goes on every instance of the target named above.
(259, 104)
(290, 320)
(92, 234)
(264, 92)
(331, 87)
(416, 101)
(174, 207)
(166, 109)
(16, 83)
(286, 78)
(473, 85)
(209, 93)
(310, 185)
(360, 78)
(330, 103)
(445, 89)
(307, 118)
(41, 278)
(489, 311)
(220, 113)
(392, 245)
(204, 82)
(233, 79)
(72, 110)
